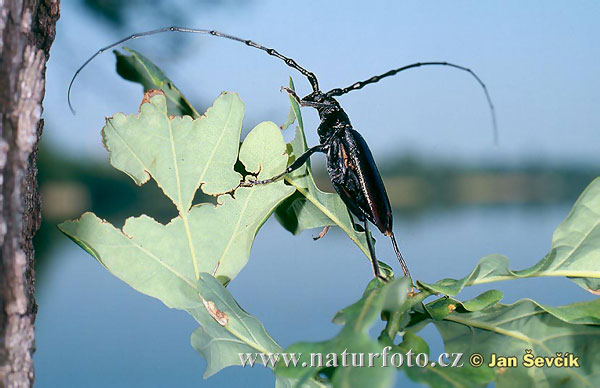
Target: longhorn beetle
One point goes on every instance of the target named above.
(350, 164)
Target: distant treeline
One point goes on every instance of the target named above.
(70, 187)
(414, 184)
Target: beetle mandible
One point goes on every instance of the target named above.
(350, 164)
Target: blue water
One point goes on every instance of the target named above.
(95, 331)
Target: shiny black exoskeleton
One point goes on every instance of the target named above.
(351, 168)
(350, 163)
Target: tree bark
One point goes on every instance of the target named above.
(27, 29)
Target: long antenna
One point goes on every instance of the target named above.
(376, 78)
(312, 79)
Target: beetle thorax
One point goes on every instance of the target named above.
(331, 114)
(332, 119)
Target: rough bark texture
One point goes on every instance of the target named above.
(27, 29)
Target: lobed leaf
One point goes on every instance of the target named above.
(180, 153)
(220, 342)
(509, 330)
(165, 273)
(227, 331)
(575, 252)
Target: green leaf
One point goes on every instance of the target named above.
(508, 330)
(395, 299)
(310, 207)
(575, 252)
(437, 376)
(352, 339)
(181, 154)
(441, 307)
(585, 313)
(227, 331)
(575, 248)
(290, 119)
(166, 274)
(482, 301)
(137, 68)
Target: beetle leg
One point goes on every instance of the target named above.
(400, 258)
(294, 166)
(374, 262)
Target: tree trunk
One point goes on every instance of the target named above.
(27, 29)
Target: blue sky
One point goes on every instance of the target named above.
(540, 61)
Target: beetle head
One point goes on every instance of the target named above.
(321, 102)
(317, 97)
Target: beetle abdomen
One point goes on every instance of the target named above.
(356, 179)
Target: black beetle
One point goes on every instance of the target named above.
(350, 163)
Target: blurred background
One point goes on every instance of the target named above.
(457, 196)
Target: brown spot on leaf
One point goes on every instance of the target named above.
(151, 93)
(214, 312)
(595, 292)
(451, 307)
